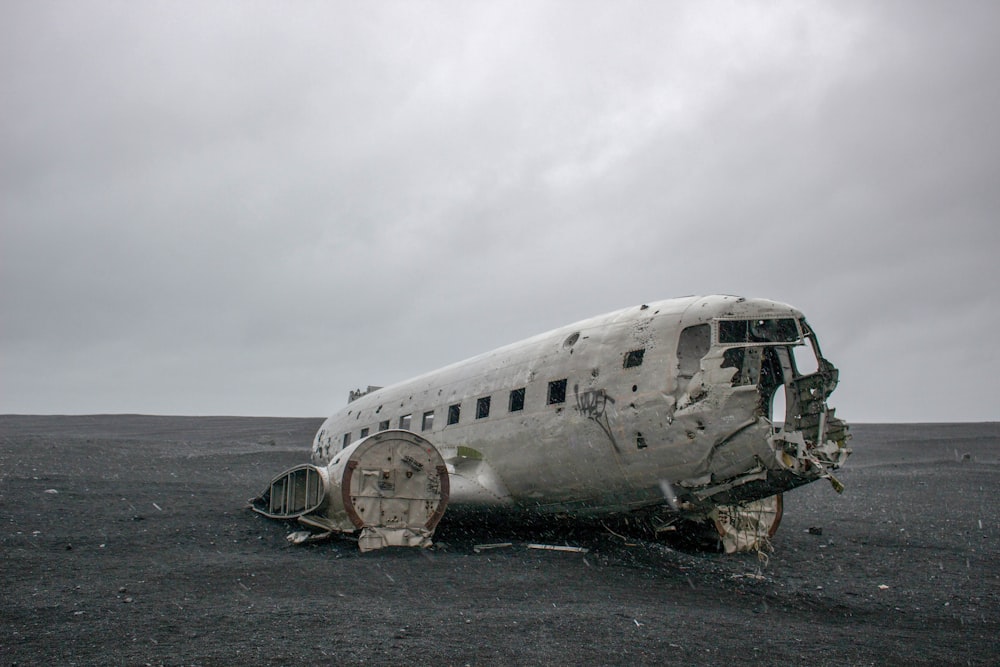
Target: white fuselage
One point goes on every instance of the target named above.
(617, 412)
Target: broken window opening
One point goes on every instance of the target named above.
(483, 407)
(516, 400)
(779, 407)
(805, 359)
(771, 379)
(428, 421)
(347, 440)
(364, 432)
(557, 392)
(634, 358)
(640, 441)
(746, 361)
(404, 422)
(454, 412)
(383, 426)
(760, 366)
(692, 345)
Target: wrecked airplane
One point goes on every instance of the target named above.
(698, 409)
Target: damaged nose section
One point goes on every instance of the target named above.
(813, 441)
(393, 487)
(754, 461)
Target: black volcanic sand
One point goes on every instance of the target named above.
(126, 540)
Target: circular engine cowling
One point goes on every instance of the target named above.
(393, 486)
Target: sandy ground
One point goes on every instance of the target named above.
(126, 540)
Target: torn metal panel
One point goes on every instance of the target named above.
(749, 526)
(559, 547)
(303, 536)
(378, 537)
(472, 477)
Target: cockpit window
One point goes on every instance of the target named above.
(741, 332)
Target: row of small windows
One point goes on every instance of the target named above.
(515, 403)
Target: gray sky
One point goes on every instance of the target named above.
(252, 207)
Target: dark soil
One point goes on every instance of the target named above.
(126, 540)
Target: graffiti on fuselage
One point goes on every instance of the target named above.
(593, 404)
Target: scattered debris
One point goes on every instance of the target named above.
(157, 507)
(625, 539)
(815, 530)
(486, 547)
(556, 547)
(51, 491)
(883, 587)
(301, 536)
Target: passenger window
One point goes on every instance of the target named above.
(347, 439)
(404, 422)
(483, 407)
(634, 358)
(517, 400)
(383, 426)
(428, 422)
(364, 433)
(454, 412)
(557, 392)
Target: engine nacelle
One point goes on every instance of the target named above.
(393, 486)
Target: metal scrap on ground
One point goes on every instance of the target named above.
(556, 547)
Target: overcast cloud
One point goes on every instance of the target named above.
(252, 207)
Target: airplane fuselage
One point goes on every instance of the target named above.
(665, 405)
